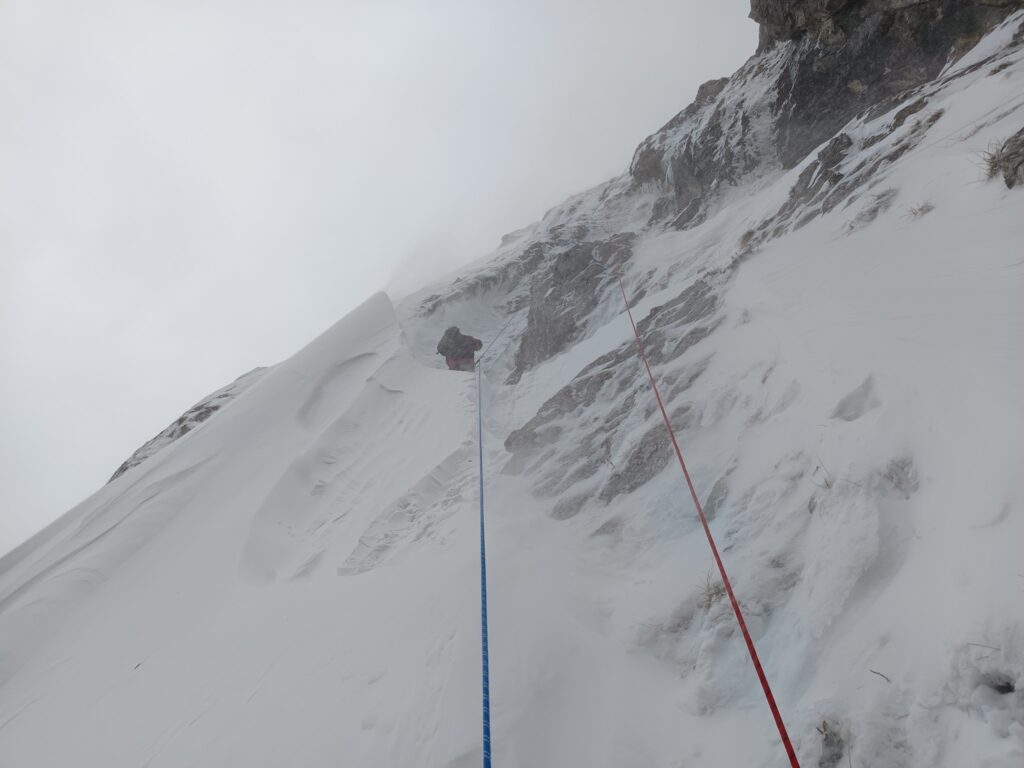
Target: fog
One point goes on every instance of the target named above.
(191, 189)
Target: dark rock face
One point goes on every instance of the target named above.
(819, 175)
(651, 454)
(790, 19)
(820, 63)
(1011, 160)
(646, 165)
(853, 56)
(829, 21)
(567, 289)
(668, 331)
(824, 185)
(712, 143)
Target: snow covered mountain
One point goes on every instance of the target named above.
(824, 252)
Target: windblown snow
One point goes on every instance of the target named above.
(295, 580)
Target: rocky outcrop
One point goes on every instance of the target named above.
(780, 110)
(830, 21)
(861, 55)
(1011, 160)
(568, 289)
(820, 63)
(669, 331)
(791, 19)
(719, 141)
(191, 419)
(823, 65)
(829, 180)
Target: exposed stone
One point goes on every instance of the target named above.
(192, 418)
(1011, 160)
(568, 507)
(846, 58)
(830, 21)
(609, 528)
(911, 109)
(650, 455)
(563, 290)
(821, 186)
(710, 144)
(646, 165)
(717, 497)
(814, 180)
(669, 331)
(877, 50)
(792, 19)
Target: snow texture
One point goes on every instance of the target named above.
(295, 582)
(191, 419)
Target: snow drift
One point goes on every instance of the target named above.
(293, 580)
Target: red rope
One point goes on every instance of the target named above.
(783, 734)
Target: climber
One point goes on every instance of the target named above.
(458, 349)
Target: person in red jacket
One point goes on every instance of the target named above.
(459, 350)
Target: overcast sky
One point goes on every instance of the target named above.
(192, 188)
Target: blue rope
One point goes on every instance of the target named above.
(485, 659)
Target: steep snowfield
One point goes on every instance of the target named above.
(192, 418)
(194, 611)
(294, 582)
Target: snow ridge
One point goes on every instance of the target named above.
(191, 419)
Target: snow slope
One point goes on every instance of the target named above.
(188, 421)
(294, 581)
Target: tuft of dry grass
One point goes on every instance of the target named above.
(991, 160)
(711, 592)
